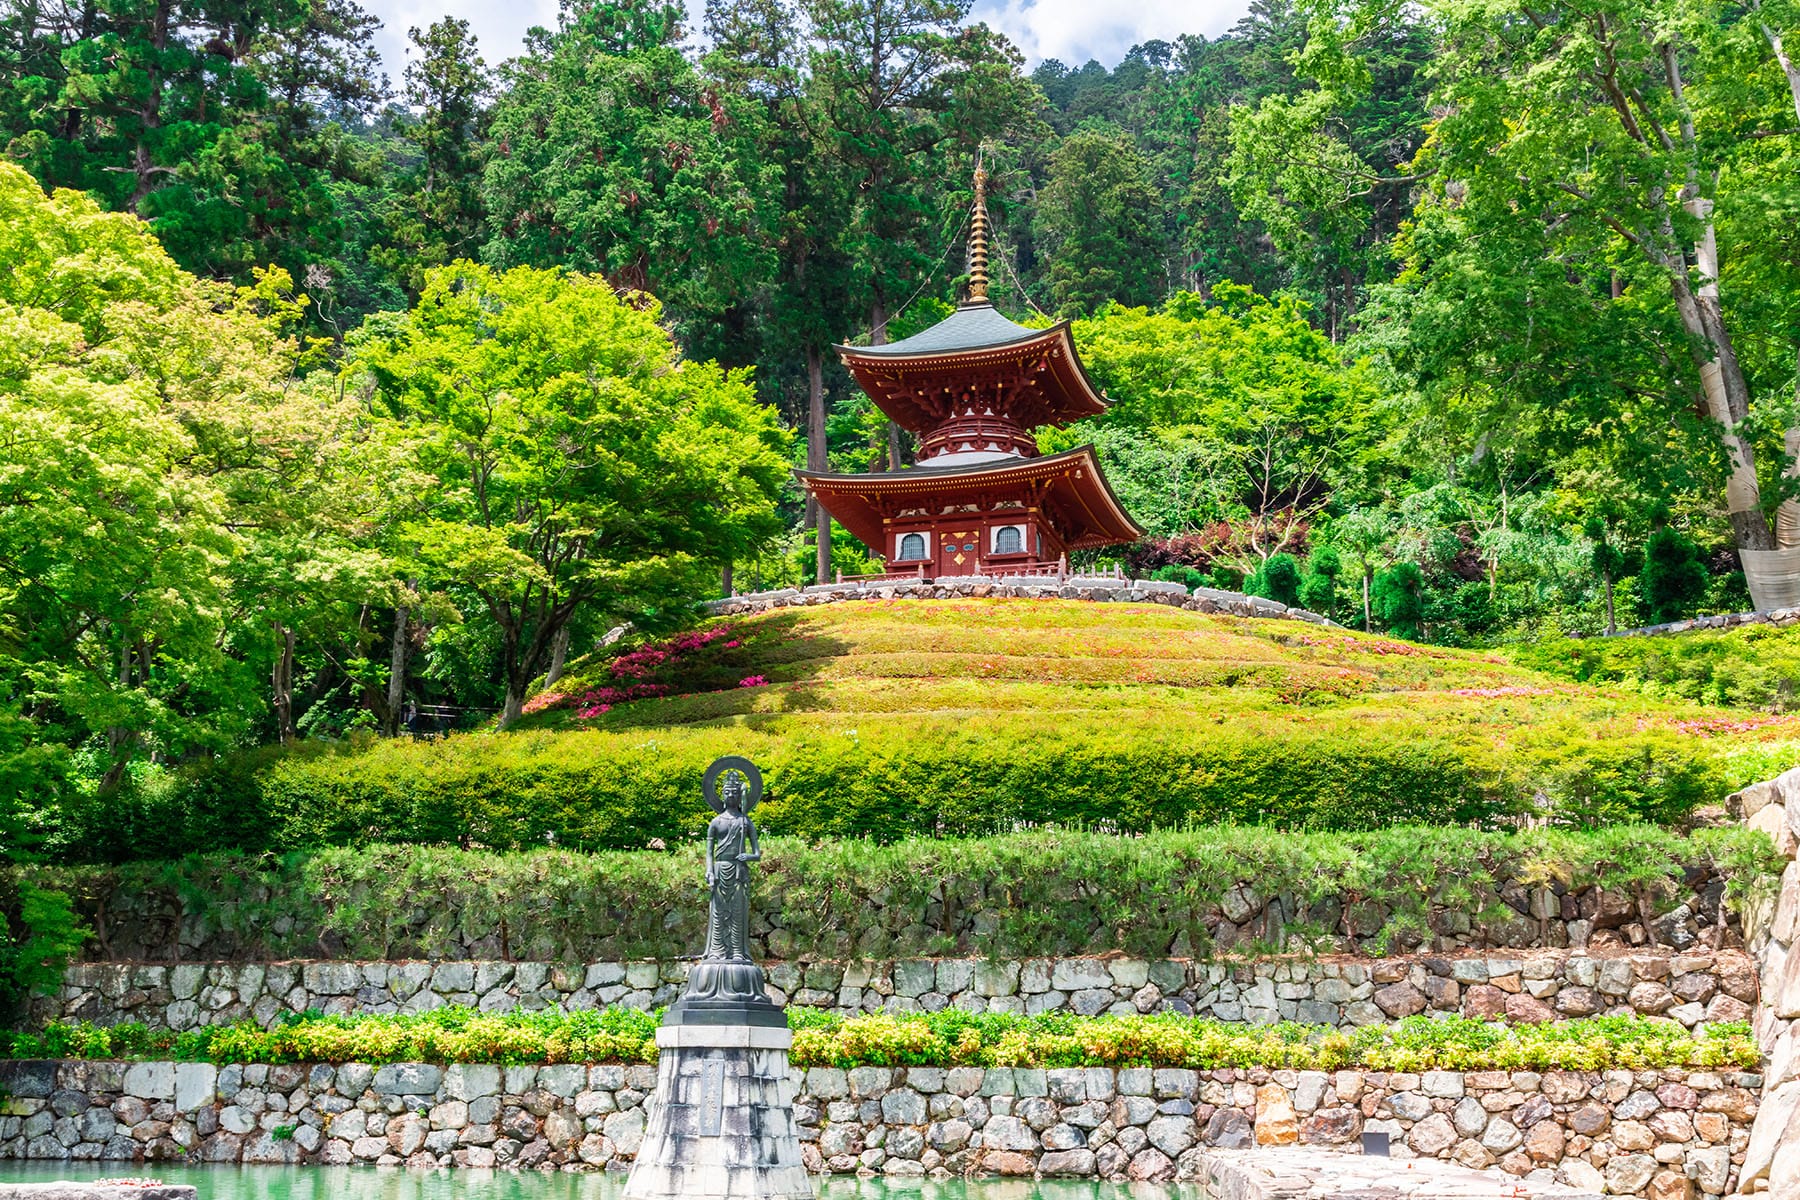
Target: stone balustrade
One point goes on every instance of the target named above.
(1663, 1135)
(1693, 987)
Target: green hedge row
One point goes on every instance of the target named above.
(895, 778)
(1021, 895)
(951, 1038)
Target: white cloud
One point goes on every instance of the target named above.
(1071, 30)
(1075, 31)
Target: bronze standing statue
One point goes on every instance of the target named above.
(730, 849)
(726, 985)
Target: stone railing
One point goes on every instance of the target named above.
(1096, 588)
(1692, 987)
(1654, 1134)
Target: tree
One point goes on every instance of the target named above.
(1608, 562)
(1318, 590)
(1368, 534)
(1099, 222)
(148, 417)
(1400, 600)
(439, 215)
(1673, 578)
(578, 462)
(611, 153)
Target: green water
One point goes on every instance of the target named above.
(407, 1183)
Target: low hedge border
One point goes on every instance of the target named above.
(1046, 893)
(947, 1039)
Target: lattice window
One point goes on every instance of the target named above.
(912, 546)
(1008, 541)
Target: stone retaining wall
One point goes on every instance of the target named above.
(1095, 588)
(1691, 987)
(151, 920)
(1772, 928)
(1670, 1135)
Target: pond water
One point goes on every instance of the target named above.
(405, 1183)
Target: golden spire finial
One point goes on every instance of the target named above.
(978, 242)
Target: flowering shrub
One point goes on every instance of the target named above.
(688, 662)
(947, 1039)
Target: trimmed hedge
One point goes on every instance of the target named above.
(1017, 896)
(895, 778)
(947, 1039)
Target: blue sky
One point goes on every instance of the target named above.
(1072, 30)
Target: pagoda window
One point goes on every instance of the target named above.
(912, 546)
(1008, 539)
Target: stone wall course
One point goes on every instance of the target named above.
(1625, 1129)
(1694, 987)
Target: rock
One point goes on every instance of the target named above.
(1399, 1000)
(1484, 1002)
(1276, 1124)
(1469, 1117)
(1432, 1136)
(1331, 1126)
(1629, 1173)
(1010, 1163)
(1544, 1142)
(1527, 1009)
(1501, 1136)
(409, 1079)
(1229, 1129)
(150, 1080)
(1151, 1166)
(1008, 1133)
(1079, 1163)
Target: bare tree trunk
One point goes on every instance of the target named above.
(559, 657)
(399, 653)
(878, 337)
(1722, 383)
(817, 456)
(1368, 626)
(727, 588)
(1787, 517)
(282, 682)
(1612, 626)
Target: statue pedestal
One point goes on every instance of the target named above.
(720, 1125)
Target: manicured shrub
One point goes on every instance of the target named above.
(950, 1038)
(1400, 599)
(1673, 578)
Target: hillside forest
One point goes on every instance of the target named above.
(332, 401)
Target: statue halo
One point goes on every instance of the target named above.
(753, 784)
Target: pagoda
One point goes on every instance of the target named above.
(982, 500)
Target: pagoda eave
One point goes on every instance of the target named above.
(1069, 488)
(1042, 370)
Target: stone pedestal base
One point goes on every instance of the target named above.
(720, 1125)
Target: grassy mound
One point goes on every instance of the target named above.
(890, 720)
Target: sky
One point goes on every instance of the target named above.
(1071, 30)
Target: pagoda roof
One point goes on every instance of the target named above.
(976, 326)
(1073, 494)
(915, 380)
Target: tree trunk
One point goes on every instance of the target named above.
(817, 452)
(282, 682)
(151, 114)
(1368, 626)
(1612, 626)
(559, 657)
(1787, 517)
(1722, 380)
(399, 652)
(727, 589)
(878, 337)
